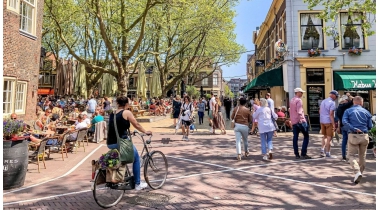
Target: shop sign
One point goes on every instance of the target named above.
(360, 84)
(260, 63)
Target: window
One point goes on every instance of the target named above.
(315, 76)
(311, 31)
(13, 5)
(351, 30)
(20, 96)
(14, 96)
(7, 96)
(27, 11)
(205, 79)
(215, 79)
(131, 82)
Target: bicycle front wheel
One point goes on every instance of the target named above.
(156, 169)
(104, 195)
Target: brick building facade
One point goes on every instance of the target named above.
(22, 27)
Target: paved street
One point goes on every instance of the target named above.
(204, 174)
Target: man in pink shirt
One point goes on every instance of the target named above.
(298, 120)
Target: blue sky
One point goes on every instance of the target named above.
(250, 14)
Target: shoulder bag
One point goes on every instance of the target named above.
(125, 146)
(273, 120)
(233, 121)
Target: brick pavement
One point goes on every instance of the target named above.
(203, 174)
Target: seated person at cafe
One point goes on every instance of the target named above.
(81, 124)
(74, 114)
(152, 108)
(53, 122)
(96, 119)
(280, 113)
(285, 111)
(46, 119)
(57, 110)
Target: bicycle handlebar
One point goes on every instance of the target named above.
(140, 134)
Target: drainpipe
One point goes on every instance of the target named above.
(292, 26)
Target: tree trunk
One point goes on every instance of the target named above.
(121, 85)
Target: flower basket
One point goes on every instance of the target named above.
(110, 160)
(12, 127)
(314, 53)
(355, 51)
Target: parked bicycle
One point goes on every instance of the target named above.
(108, 194)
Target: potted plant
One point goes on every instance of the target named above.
(372, 134)
(314, 53)
(15, 154)
(355, 51)
(12, 128)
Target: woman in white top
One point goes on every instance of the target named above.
(38, 124)
(266, 127)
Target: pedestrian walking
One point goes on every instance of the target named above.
(176, 108)
(326, 113)
(242, 117)
(256, 106)
(211, 106)
(227, 107)
(297, 117)
(201, 111)
(264, 117)
(186, 115)
(359, 122)
(218, 120)
(345, 103)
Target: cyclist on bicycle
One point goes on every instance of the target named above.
(124, 118)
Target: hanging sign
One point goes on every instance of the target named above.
(260, 63)
(280, 47)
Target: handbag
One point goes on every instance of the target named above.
(274, 121)
(125, 146)
(233, 121)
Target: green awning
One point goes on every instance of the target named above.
(270, 78)
(354, 80)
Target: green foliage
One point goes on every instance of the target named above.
(208, 96)
(178, 37)
(228, 92)
(367, 9)
(192, 92)
(372, 133)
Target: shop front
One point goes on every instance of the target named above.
(45, 91)
(269, 81)
(315, 78)
(357, 83)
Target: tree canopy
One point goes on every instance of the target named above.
(113, 36)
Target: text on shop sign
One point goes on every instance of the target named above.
(360, 84)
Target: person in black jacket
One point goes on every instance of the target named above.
(227, 106)
(345, 103)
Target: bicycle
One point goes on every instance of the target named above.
(155, 164)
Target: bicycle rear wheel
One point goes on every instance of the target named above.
(104, 195)
(156, 169)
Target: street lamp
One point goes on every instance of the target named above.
(149, 71)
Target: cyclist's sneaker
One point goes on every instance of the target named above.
(141, 186)
(186, 138)
(183, 138)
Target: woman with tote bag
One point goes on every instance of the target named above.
(241, 117)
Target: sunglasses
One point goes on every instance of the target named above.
(48, 112)
(14, 118)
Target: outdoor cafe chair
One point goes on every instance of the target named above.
(81, 138)
(39, 153)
